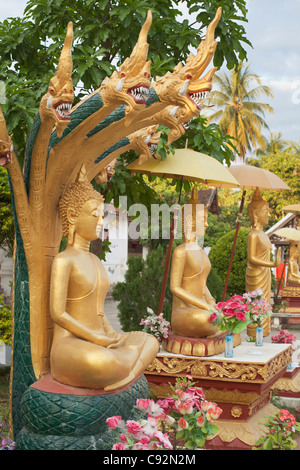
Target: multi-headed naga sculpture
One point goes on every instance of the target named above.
(123, 113)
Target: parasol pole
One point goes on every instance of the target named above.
(238, 221)
(168, 256)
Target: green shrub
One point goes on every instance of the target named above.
(5, 321)
(141, 289)
(215, 285)
(219, 256)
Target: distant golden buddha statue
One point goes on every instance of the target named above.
(190, 268)
(86, 351)
(258, 271)
(293, 276)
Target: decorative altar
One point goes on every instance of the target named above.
(241, 386)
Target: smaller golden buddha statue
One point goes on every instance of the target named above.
(190, 268)
(86, 351)
(293, 276)
(258, 271)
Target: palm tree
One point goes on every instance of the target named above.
(275, 144)
(240, 115)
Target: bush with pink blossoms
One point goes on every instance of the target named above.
(259, 308)
(141, 433)
(185, 416)
(188, 416)
(156, 325)
(232, 316)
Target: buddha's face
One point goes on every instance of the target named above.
(90, 220)
(262, 214)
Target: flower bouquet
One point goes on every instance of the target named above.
(259, 308)
(284, 337)
(156, 325)
(231, 316)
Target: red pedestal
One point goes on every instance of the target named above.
(241, 386)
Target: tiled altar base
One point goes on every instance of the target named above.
(241, 386)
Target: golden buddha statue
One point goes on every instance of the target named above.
(293, 276)
(190, 267)
(86, 351)
(258, 272)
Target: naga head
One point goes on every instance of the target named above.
(106, 173)
(56, 104)
(145, 142)
(6, 145)
(130, 85)
(183, 88)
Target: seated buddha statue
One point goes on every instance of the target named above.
(190, 268)
(258, 271)
(86, 351)
(293, 276)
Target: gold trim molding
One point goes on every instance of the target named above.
(201, 368)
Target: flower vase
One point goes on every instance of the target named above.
(259, 336)
(228, 346)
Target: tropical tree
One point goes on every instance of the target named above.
(286, 165)
(274, 144)
(240, 114)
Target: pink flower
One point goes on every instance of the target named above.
(154, 409)
(144, 440)
(188, 407)
(123, 437)
(213, 317)
(220, 305)
(182, 423)
(200, 421)
(133, 426)
(166, 404)
(216, 412)
(164, 439)
(241, 316)
(206, 405)
(197, 392)
(118, 446)
(181, 394)
(113, 422)
(229, 312)
(142, 403)
(237, 297)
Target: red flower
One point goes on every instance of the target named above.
(213, 317)
(241, 316)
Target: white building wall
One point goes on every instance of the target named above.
(116, 261)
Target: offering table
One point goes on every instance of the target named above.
(241, 386)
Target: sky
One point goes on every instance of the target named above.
(274, 30)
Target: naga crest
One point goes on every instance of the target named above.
(6, 145)
(130, 85)
(56, 104)
(184, 87)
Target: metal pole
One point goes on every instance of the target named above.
(234, 243)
